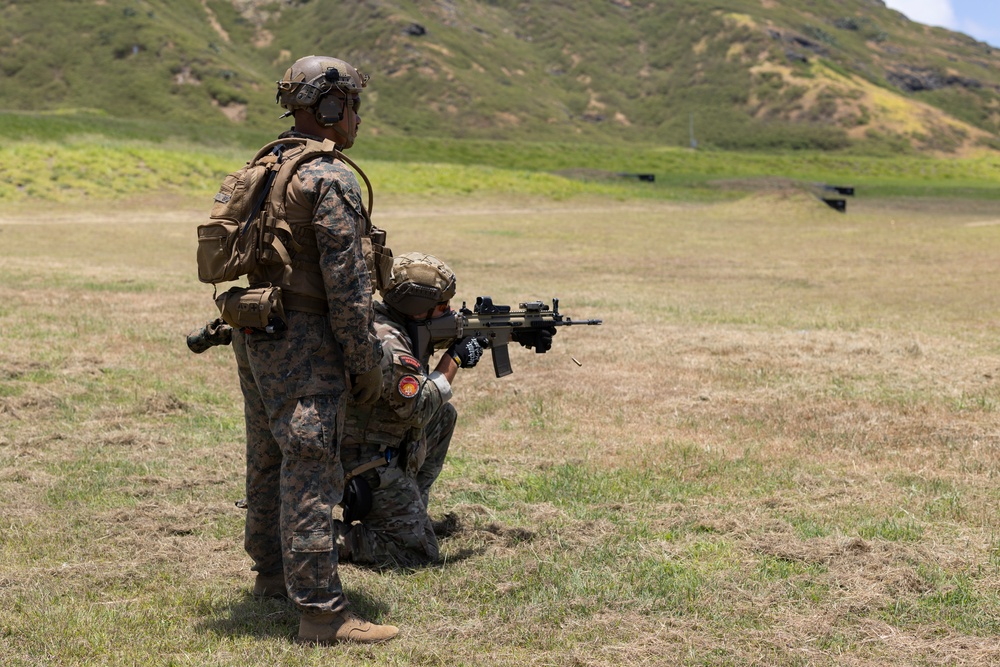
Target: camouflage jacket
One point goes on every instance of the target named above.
(325, 214)
(410, 395)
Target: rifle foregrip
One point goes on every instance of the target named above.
(501, 360)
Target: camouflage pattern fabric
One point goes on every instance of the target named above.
(438, 435)
(326, 217)
(294, 388)
(397, 531)
(408, 401)
(294, 476)
(216, 332)
(338, 225)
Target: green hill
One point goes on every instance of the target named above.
(738, 74)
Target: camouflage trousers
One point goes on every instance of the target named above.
(294, 476)
(397, 532)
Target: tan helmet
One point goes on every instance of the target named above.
(418, 283)
(308, 82)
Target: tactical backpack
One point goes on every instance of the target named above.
(247, 226)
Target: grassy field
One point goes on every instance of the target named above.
(781, 448)
(83, 162)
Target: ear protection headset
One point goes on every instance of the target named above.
(331, 107)
(325, 85)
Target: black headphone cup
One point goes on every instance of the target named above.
(330, 110)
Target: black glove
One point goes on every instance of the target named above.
(468, 351)
(540, 339)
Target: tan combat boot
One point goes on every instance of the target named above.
(270, 586)
(342, 627)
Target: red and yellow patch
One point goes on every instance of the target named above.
(408, 386)
(409, 362)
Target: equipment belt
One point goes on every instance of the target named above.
(305, 304)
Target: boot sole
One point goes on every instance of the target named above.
(332, 642)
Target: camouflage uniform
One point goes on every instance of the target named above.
(413, 419)
(295, 389)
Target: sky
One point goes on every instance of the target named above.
(978, 18)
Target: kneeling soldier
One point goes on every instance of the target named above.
(393, 450)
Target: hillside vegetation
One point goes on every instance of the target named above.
(65, 167)
(735, 74)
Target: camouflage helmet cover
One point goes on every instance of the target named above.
(309, 79)
(418, 283)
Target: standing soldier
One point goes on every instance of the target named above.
(394, 449)
(295, 381)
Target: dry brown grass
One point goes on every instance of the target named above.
(780, 448)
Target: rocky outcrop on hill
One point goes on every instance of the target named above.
(919, 79)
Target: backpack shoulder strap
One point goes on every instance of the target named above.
(293, 157)
(309, 150)
(295, 152)
(268, 148)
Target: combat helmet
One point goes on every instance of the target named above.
(307, 84)
(418, 283)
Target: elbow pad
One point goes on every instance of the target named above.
(441, 382)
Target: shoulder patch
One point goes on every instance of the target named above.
(408, 386)
(410, 362)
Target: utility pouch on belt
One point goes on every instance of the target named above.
(252, 307)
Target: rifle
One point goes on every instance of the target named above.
(496, 323)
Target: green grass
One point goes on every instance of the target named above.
(100, 168)
(778, 448)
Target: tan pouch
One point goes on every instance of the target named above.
(253, 307)
(224, 254)
(383, 266)
(378, 258)
(229, 243)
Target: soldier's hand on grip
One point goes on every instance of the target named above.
(540, 339)
(468, 351)
(367, 387)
